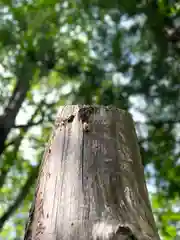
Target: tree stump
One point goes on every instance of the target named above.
(91, 184)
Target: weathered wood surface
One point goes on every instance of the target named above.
(91, 183)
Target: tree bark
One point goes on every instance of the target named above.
(91, 184)
(7, 120)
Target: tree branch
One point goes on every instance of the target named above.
(22, 194)
(17, 142)
(7, 120)
(30, 124)
(5, 169)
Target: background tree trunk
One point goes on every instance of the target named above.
(91, 183)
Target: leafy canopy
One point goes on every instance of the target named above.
(124, 53)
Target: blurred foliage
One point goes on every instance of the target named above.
(125, 53)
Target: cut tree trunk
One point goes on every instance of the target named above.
(91, 183)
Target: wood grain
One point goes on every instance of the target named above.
(91, 184)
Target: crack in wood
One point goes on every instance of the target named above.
(85, 113)
(126, 231)
(62, 122)
(68, 119)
